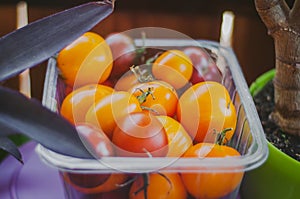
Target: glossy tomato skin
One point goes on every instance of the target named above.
(161, 185)
(179, 140)
(125, 82)
(121, 193)
(91, 183)
(210, 184)
(105, 112)
(75, 105)
(205, 109)
(123, 51)
(173, 67)
(140, 134)
(95, 140)
(86, 60)
(162, 97)
(100, 146)
(205, 68)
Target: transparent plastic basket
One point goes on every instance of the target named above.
(248, 138)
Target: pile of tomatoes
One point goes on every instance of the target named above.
(135, 102)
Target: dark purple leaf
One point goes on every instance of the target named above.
(9, 146)
(36, 42)
(29, 117)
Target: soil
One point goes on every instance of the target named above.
(264, 102)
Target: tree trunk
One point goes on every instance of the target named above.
(283, 24)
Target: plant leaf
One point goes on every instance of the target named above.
(9, 146)
(34, 43)
(30, 118)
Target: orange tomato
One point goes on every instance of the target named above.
(95, 183)
(209, 184)
(173, 67)
(125, 82)
(136, 74)
(161, 186)
(77, 102)
(86, 60)
(156, 95)
(105, 112)
(179, 140)
(205, 109)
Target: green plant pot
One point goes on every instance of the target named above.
(279, 176)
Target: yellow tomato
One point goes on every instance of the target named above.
(105, 112)
(206, 109)
(179, 139)
(211, 184)
(87, 60)
(77, 102)
(158, 186)
(173, 67)
(156, 95)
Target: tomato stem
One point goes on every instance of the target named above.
(221, 137)
(142, 75)
(141, 51)
(143, 97)
(152, 59)
(145, 186)
(168, 180)
(127, 182)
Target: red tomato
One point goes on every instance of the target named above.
(160, 185)
(205, 109)
(140, 134)
(209, 184)
(95, 183)
(95, 140)
(173, 67)
(100, 146)
(204, 67)
(136, 74)
(105, 112)
(121, 193)
(157, 96)
(123, 51)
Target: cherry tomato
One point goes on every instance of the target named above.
(105, 112)
(160, 185)
(125, 82)
(156, 95)
(123, 51)
(204, 67)
(120, 193)
(136, 74)
(95, 140)
(100, 145)
(87, 60)
(209, 184)
(140, 134)
(179, 140)
(77, 102)
(95, 183)
(205, 109)
(173, 67)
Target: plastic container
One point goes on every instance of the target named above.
(248, 139)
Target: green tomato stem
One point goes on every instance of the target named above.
(222, 136)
